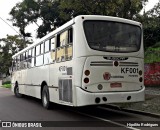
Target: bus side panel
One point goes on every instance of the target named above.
(22, 81)
(59, 71)
(34, 79)
(15, 77)
(78, 70)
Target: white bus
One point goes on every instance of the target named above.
(89, 60)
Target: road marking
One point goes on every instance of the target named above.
(132, 128)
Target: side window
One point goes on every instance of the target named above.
(18, 62)
(53, 52)
(53, 43)
(14, 64)
(29, 53)
(21, 57)
(42, 48)
(70, 36)
(37, 50)
(21, 61)
(64, 42)
(69, 47)
(25, 60)
(47, 46)
(33, 52)
(64, 38)
(26, 54)
(33, 57)
(38, 60)
(29, 58)
(58, 40)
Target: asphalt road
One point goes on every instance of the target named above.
(30, 109)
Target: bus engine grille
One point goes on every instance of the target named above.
(65, 90)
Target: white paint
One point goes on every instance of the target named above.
(83, 55)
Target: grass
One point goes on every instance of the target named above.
(152, 55)
(6, 85)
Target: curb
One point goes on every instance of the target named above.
(132, 111)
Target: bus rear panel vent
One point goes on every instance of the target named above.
(65, 90)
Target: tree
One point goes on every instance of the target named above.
(12, 44)
(54, 13)
(151, 25)
(120, 8)
(30, 11)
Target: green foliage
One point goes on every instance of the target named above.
(23, 13)
(7, 82)
(54, 13)
(121, 8)
(151, 36)
(12, 44)
(152, 54)
(151, 25)
(30, 11)
(6, 85)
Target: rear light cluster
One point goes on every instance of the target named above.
(140, 73)
(86, 79)
(106, 76)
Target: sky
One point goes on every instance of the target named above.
(6, 6)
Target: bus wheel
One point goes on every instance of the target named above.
(16, 91)
(45, 97)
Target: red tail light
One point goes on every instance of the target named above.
(106, 76)
(87, 72)
(86, 80)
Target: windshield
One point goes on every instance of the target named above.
(112, 36)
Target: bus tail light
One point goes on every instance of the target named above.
(115, 85)
(106, 76)
(87, 72)
(140, 79)
(140, 72)
(86, 80)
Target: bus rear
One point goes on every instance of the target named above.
(109, 63)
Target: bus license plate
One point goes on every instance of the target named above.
(115, 85)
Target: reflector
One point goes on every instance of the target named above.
(106, 76)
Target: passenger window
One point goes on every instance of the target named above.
(29, 54)
(64, 38)
(18, 62)
(37, 50)
(21, 57)
(47, 46)
(42, 48)
(64, 41)
(70, 36)
(58, 40)
(26, 55)
(14, 64)
(33, 52)
(53, 43)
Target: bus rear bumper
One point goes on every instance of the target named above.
(86, 98)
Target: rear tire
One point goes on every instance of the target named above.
(45, 97)
(16, 91)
